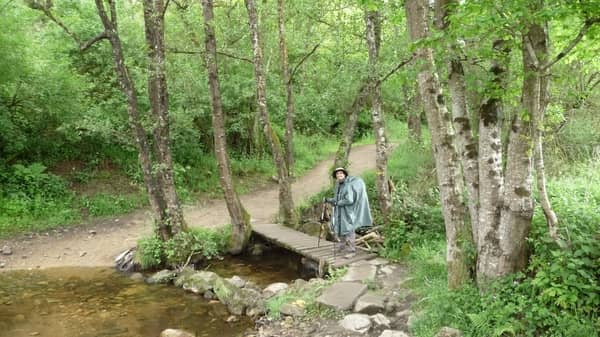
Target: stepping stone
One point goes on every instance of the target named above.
(356, 322)
(342, 295)
(393, 333)
(360, 273)
(369, 304)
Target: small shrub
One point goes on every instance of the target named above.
(150, 252)
(32, 181)
(198, 241)
(207, 243)
(33, 200)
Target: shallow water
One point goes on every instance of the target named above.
(86, 302)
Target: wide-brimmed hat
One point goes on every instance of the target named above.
(339, 169)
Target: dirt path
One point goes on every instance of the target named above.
(97, 244)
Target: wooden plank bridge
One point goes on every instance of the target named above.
(308, 246)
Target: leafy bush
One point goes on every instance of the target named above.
(198, 241)
(203, 242)
(150, 252)
(31, 181)
(416, 213)
(33, 200)
(567, 272)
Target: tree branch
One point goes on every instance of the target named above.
(586, 26)
(592, 77)
(400, 65)
(531, 52)
(180, 5)
(46, 9)
(234, 57)
(164, 11)
(83, 47)
(592, 86)
(113, 14)
(178, 51)
(332, 26)
(195, 52)
(302, 61)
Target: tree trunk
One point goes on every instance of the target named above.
(446, 157)
(517, 210)
(343, 152)
(373, 29)
(155, 194)
(286, 203)
(240, 219)
(491, 179)
(159, 106)
(289, 117)
(465, 141)
(538, 38)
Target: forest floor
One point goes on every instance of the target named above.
(98, 242)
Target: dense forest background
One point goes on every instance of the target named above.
(68, 152)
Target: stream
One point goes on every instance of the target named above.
(94, 302)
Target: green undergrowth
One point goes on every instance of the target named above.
(35, 199)
(415, 214)
(558, 295)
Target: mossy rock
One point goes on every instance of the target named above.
(162, 277)
(198, 282)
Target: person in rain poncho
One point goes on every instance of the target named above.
(351, 210)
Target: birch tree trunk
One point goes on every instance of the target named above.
(159, 105)
(286, 203)
(510, 254)
(240, 219)
(373, 36)
(465, 141)
(290, 116)
(491, 177)
(446, 157)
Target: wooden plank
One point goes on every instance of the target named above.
(307, 245)
(320, 249)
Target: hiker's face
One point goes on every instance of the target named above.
(340, 176)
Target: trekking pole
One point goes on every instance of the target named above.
(320, 232)
(322, 220)
(336, 238)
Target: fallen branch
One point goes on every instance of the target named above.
(373, 236)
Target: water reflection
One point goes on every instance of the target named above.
(86, 302)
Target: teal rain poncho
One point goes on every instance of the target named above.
(351, 209)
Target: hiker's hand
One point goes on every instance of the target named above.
(330, 201)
